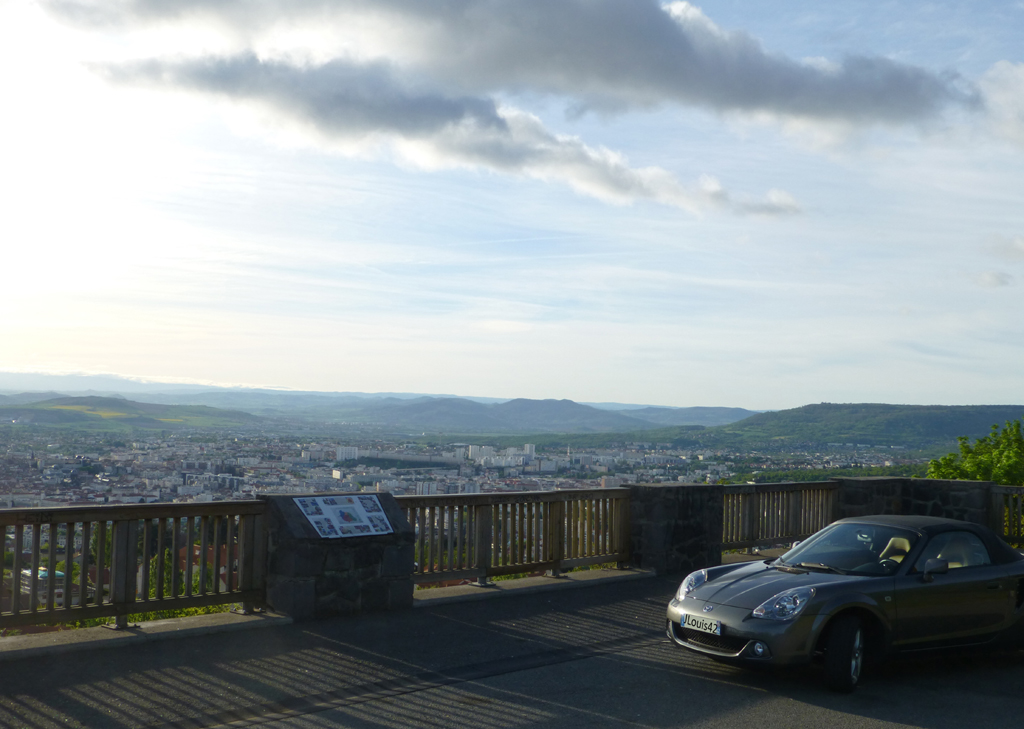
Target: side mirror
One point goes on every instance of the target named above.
(934, 567)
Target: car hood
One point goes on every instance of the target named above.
(749, 586)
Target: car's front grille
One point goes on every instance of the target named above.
(722, 643)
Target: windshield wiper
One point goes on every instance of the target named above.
(786, 567)
(822, 566)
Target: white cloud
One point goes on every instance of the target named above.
(1011, 249)
(776, 202)
(1003, 90)
(443, 84)
(603, 54)
(504, 326)
(993, 279)
(349, 103)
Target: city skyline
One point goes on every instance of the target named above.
(727, 204)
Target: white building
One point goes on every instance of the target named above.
(478, 453)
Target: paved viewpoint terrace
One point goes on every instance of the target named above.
(589, 657)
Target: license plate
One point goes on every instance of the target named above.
(704, 625)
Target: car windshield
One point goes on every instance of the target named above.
(850, 548)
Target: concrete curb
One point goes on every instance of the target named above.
(90, 639)
(525, 586)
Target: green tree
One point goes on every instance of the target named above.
(170, 565)
(998, 457)
(76, 569)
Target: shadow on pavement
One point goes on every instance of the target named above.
(588, 657)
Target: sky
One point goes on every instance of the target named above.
(731, 203)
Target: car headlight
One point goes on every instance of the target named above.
(691, 583)
(785, 605)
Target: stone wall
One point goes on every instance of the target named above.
(675, 527)
(962, 500)
(309, 577)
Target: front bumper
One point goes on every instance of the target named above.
(783, 642)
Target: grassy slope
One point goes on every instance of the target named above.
(911, 426)
(871, 424)
(113, 414)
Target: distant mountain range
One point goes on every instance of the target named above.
(400, 411)
(433, 414)
(813, 426)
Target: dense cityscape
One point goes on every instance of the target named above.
(40, 467)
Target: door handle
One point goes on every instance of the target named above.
(992, 586)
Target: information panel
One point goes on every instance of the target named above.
(334, 517)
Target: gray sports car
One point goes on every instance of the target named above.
(859, 588)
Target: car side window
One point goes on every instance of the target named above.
(959, 549)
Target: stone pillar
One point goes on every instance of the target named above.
(963, 500)
(309, 577)
(676, 528)
(868, 496)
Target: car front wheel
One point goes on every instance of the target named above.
(844, 654)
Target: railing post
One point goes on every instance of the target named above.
(747, 503)
(794, 512)
(556, 537)
(37, 537)
(119, 571)
(51, 568)
(16, 571)
(482, 541)
(84, 561)
(176, 576)
(246, 555)
(997, 521)
(621, 543)
(259, 562)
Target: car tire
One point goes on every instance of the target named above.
(844, 654)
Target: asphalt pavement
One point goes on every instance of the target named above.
(589, 657)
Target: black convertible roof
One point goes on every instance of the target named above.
(999, 551)
(913, 521)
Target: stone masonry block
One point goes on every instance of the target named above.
(293, 597)
(400, 594)
(398, 560)
(297, 559)
(375, 594)
(339, 560)
(345, 584)
(976, 498)
(366, 552)
(334, 604)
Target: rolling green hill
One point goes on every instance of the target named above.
(871, 424)
(930, 428)
(924, 427)
(110, 413)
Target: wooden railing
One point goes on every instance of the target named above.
(1007, 513)
(760, 515)
(483, 535)
(75, 563)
